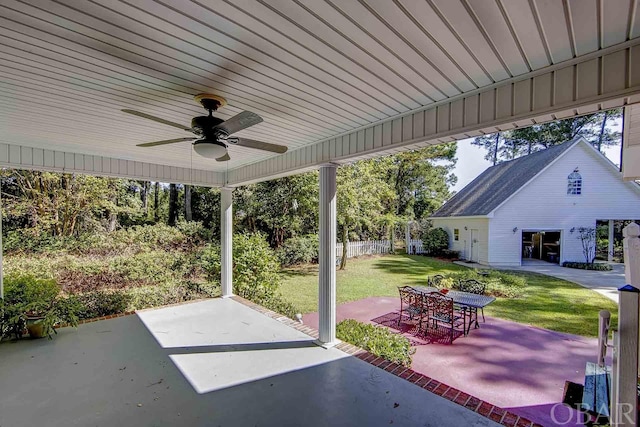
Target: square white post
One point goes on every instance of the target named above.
(623, 409)
(226, 241)
(327, 257)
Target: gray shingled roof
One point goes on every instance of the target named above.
(496, 184)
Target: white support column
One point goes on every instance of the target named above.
(327, 257)
(226, 241)
(624, 405)
(610, 248)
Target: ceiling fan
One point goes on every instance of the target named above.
(213, 135)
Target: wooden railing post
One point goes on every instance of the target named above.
(624, 412)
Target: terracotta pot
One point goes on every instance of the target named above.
(35, 326)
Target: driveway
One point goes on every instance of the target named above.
(604, 282)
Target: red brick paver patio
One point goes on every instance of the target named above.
(513, 366)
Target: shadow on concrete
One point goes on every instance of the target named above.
(426, 334)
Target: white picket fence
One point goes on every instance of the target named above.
(414, 247)
(366, 247)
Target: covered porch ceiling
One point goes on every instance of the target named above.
(334, 81)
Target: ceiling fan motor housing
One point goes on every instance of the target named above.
(203, 125)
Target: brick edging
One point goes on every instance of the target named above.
(485, 409)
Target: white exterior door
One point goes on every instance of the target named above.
(474, 245)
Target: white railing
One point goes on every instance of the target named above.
(366, 247)
(414, 247)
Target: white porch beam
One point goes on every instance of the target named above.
(327, 257)
(22, 157)
(226, 241)
(605, 79)
(631, 142)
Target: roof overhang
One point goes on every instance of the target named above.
(334, 81)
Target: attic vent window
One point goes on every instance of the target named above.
(574, 183)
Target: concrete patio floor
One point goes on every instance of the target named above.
(514, 366)
(215, 362)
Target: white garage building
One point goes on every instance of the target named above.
(533, 206)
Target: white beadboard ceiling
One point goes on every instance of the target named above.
(313, 69)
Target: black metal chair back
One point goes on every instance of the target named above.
(410, 303)
(435, 280)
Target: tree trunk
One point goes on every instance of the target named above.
(604, 124)
(392, 239)
(343, 261)
(173, 204)
(187, 203)
(495, 149)
(144, 196)
(156, 197)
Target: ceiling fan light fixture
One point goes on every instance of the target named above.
(210, 149)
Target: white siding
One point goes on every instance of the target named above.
(543, 204)
(463, 245)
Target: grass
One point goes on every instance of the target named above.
(547, 302)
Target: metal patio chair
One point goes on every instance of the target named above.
(472, 286)
(440, 309)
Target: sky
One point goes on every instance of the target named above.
(471, 162)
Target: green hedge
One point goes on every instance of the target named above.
(499, 283)
(598, 266)
(376, 340)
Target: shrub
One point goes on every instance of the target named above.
(208, 259)
(101, 303)
(376, 340)
(27, 296)
(450, 254)
(299, 250)
(435, 241)
(255, 270)
(194, 231)
(588, 266)
(278, 304)
(498, 283)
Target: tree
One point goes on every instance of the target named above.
(187, 203)
(281, 208)
(587, 236)
(65, 204)
(156, 202)
(363, 193)
(491, 143)
(595, 128)
(420, 178)
(173, 204)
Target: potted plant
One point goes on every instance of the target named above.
(35, 305)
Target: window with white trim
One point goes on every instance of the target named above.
(574, 183)
(456, 234)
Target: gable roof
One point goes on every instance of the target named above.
(495, 185)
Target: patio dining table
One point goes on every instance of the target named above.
(465, 299)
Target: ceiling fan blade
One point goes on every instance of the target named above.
(239, 121)
(166, 141)
(156, 119)
(258, 145)
(223, 158)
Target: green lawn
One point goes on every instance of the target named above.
(547, 303)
